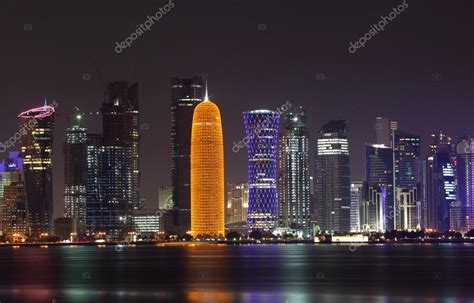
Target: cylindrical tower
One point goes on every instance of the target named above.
(261, 127)
(207, 171)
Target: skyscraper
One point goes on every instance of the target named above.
(13, 216)
(384, 128)
(75, 171)
(293, 173)
(237, 203)
(37, 127)
(207, 171)
(108, 188)
(120, 118)
(465, 174)
(333, 178)
(407, 150)
(379, 174)
(261, 127)
(186, 94)
(358, 202)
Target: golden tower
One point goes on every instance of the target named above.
(207, 171)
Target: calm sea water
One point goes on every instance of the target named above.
(248, 273)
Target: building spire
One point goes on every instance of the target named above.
(45, 102)
(206, 98)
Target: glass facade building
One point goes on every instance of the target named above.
(186, 94)
(333, 178)
(37, 129)
(293, 173)
(380, 176)
(75, 171)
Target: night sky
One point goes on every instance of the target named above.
(255, 54)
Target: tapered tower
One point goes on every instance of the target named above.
(207, 171)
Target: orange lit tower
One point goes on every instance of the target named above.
(207, 171)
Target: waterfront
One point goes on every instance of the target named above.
(240, 273)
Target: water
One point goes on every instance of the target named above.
(288, 273)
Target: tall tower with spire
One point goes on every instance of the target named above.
(207, 171)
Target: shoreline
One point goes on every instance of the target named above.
(247, 242)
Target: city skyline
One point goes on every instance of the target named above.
(415, 77)
(330, 160)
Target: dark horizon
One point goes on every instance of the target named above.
(417, 71)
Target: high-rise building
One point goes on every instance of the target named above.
(120, 118)
(37, 128)
(424, 179)
(358, 204)
(293, 173)
(333, 178)
(465, 174)
(207, 171)
(75, 171)
(384, 128)
(165, 197)
(13, 216)
(380, 176)
(407, 150)
(186, 94)
(108, 195)
(261, 127)
(237, 203)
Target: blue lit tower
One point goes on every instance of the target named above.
(261, 127)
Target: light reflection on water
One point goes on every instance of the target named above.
(250, 273)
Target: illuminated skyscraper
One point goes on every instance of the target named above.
(333, 178)
(379, 174)
(293, 173)
(358, 205)
(261, 128)
(75, 171)
(108, 188)
(13, 217)
(207, 171)
(237, 203)
(120, 118)
(37, 127)
(406, 152)
(186, 94)
(465, 174)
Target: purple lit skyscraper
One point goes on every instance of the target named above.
(261, 127)
(465, 175)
